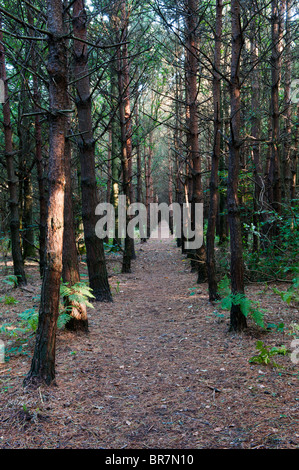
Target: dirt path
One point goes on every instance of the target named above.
(157, 370)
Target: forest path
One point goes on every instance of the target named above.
(158, 369)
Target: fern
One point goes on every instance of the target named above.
(248, 307)
(79, 292)
(30, 319)
(62, 320)
(265, 354)
(291, 294)
(11, 280)
(8, 300)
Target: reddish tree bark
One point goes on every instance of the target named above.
(43, 362)
(70, 262)
(125, 121)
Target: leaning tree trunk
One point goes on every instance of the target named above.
(16, 251)
(211, 264)
(96, 263)
(237, 319)
(43, 362)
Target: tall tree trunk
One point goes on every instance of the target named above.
(109, 165)
(287, 109)
(259, 185)
(41, 178)
(138, 156)
(150, 179)
(211, 264)
(177, 143)
(28, 237)
(43, 362)
(125, 125)
(193, 123)
(222, 221)
(70, 263)
(97, 270)
(295, 158)
(25, 169)
(170, 185)
(18, 264)
(70, 271)
(237, 319)
(274, 183)
(128, 115)
(114, 151)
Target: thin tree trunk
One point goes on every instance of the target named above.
(274, 183)
(193, 123)
(170, 184)
(43, 362)
(295, 158)
(25, 170)
(222, 222)
(177, 142)
(125, 126)
(149, 180)
(287, 109)
(259, 185)
(237, 319)
(211, 264)
(70, 261)
(114, 153)
(128, 116)
(28, 237)
(18, 264)
(138, 154)
(70, 271)
(109, 165)
(96, 263)
(41, 178)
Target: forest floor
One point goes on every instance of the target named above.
(158, 370)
